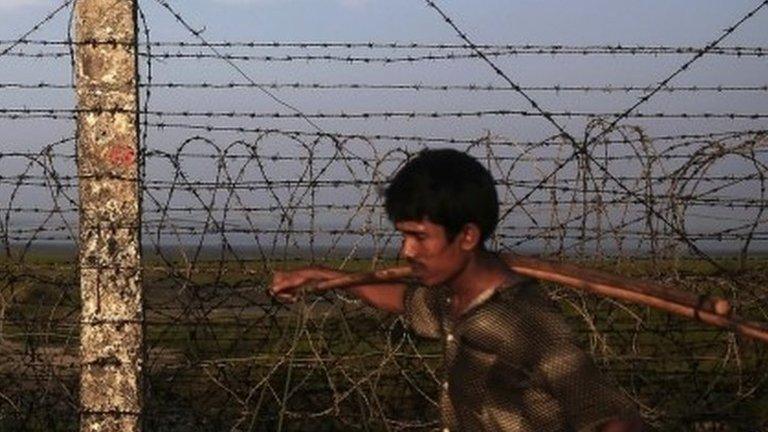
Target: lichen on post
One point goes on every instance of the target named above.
(110, 254)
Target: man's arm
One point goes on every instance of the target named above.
(385, 296)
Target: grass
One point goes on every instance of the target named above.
(222, 354)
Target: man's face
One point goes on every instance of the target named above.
(435, 260)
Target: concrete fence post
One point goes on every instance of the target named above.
(110, 254)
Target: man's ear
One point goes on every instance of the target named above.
(470, 237)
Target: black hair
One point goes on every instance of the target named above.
(447, 187)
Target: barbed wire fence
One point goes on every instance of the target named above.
(661, 181)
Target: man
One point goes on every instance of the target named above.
(510, 364)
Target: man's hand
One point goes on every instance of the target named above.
(286, 285)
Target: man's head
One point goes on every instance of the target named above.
(444, 203)
(447, 187)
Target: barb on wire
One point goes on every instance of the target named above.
(21, 39)
(230, 194)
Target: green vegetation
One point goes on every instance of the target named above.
(222, 354)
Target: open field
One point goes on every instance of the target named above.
(222, 355)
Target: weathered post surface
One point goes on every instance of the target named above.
(112, 316)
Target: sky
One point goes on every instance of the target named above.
(582, 23)
(533, 21)
(556, 22)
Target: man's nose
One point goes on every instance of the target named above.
(407, 250)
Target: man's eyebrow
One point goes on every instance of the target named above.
(412, 230)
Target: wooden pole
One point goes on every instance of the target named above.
(712, 310)
(111, 333)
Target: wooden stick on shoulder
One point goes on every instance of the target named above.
(710, 310)
(714, 311)
(604, 283)
(394, 274)
(388, 275)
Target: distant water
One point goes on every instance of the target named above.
(65, 250)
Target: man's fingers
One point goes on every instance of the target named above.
(283, 289)
(283, 294)
(279, 290)
(287, 286)
(286, 298)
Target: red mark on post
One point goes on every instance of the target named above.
(122, 155)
